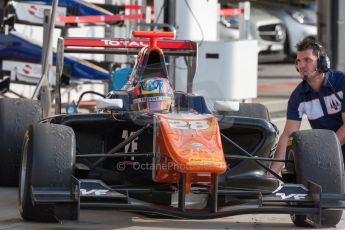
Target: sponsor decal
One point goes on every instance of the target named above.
(96, 192)
(32, 10)
(27, 69)
(133, 145)
(294, 196)
(119, 43)
(333, 104)
(151, 99)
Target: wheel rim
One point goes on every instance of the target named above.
(23, 173)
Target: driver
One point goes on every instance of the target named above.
(152, 95)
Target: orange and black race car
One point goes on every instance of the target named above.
(150, 149)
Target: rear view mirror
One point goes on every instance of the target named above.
(106, 103)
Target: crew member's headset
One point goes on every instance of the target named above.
(323, 63)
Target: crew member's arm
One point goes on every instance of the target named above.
(341, 131)
(290, 127)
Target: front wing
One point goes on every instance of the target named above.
(287, 199)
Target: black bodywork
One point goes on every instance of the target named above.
(99, 133)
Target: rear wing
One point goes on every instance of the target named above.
(118, 46)
(125, 46)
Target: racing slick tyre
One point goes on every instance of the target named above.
(317, 157)
(48, 161)
(253, 110)
(15, 117)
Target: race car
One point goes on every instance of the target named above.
(152, 150)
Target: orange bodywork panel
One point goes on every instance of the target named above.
(187, 143)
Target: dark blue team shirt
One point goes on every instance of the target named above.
(323, 109)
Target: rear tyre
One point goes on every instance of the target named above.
(253, 110)
(317, 157)
(48, 161)
(15, 117)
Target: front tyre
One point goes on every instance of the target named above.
(48, 161)
(317, 157)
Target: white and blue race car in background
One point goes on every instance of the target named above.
(20, 56)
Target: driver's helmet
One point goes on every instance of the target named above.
(152, 95)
